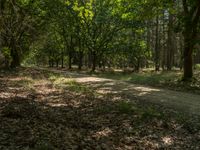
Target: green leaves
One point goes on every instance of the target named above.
(6, 52)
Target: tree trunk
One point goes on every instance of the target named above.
(148, 40)
(192, 16)
(137, 67)
(170, 42)
(89, 60)
(157, 53)
(188, 52)
(70, 53)
(80, 63)
(62, 60)
(15, 58)
(49, 62)
(70, 60)
(94, 61)
(57, 63)
(188, 63)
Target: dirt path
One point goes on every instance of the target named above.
(185, 102)
(42, 110)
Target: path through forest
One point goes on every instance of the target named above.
(185, 102)
(53, 109)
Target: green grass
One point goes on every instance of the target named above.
(25, 82)
(147, 113)
(125, 107)
(62, 82)
(163, 79)
(149, 78)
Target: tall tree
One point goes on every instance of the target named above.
(191, 22)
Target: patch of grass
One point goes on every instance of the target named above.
(68, 83)
(155, 78)
(164, 79)
(126, 107)
(53, 76)
(147, 77)
(27, 83)
(146, 113)
(151, 113)
(79, 88)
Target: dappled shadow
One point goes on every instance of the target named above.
(56, 118)
(185, 102)
(27, 123)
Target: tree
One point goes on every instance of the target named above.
(190, 24)
(19, 20)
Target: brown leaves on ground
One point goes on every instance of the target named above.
(37, 115)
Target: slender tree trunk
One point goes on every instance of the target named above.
(148, 42)
(49, 62)
(70, 60)
(70, 53)
(15, 57)
(163, 43)
(94, 57)
(62, 59)
(52, 63)
(170, 42)
(137, 67)
(80, 63)
(157, 53)
(181, 51)
(89, 59)
(57, 63)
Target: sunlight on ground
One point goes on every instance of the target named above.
(167, 140)
(145, 90)
(7, 95)
(64, 109)
(89, 79)
(103, 133)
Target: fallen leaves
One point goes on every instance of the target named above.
(59, 118)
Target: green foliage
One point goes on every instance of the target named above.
(151, 113)
(117, 33)
(126, 107)
(197, 66)
(79, 88)
(70, 84)
(20, 23)
(6, 52)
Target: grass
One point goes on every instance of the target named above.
(147, 77)
(59, 81)
(53, 121)
(145, 113)
(163, 79)
(126, 107)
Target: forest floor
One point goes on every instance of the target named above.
(162, 79)
(49, 109)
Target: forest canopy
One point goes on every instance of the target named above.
(101, 33)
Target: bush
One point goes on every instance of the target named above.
(197, 66)
(7, 55)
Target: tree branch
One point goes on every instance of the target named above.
(196, 15)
